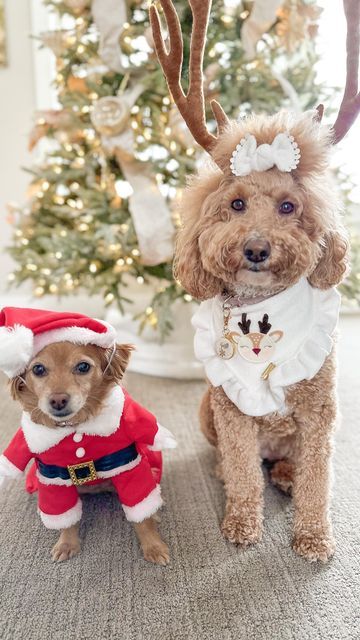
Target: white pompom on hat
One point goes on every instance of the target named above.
(25, 332)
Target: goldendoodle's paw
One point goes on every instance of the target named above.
(282, 476)
(242, 524)
(157, 552)
(314, 545)
(64, 550)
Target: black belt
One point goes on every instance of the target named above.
(87, 471)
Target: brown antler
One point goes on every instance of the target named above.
(192, 104)
(244, 325)
(264, 324)
(350, 105)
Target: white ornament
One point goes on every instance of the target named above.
(110, 115)
(282, 153)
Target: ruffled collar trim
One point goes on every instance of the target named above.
(302, 319)
(40, 438)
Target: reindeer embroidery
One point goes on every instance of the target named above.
(256, 346)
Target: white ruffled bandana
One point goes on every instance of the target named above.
(291, 330)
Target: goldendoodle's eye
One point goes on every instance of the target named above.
(39, 370)
(238, 204)
(286, 207)
(82, 367)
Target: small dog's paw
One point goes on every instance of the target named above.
(282, 476)
(314, 545)
(157, 553)
(64, 551)
(242, 525)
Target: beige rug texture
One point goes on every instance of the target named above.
(211, 590)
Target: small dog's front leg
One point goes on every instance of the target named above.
(153, 547)
(68, 544)
(241, 468)
(312, 527)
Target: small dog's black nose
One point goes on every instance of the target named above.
(58, 401)
(257, 250)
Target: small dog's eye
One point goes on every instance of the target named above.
(39, 370)
(286, 207)
(238, 204)
(82, 367)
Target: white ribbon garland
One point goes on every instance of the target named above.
(109, 17)
(262, 16)
(149, 211)
(111, 118)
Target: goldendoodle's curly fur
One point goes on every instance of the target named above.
(209, 257)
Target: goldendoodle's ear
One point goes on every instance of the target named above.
(188, 267)
(332, 266)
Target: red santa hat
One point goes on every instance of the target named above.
(25, 332)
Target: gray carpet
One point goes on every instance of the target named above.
(211, 590)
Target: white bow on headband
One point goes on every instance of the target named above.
(283, 153)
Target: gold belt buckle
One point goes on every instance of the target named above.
(82, 465)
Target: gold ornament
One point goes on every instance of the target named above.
(110, 115)
(77, 84)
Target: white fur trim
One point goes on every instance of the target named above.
(108, 420)
(76, 335)
(16, 345)
(100, 474)
(146, 507)
(8, 469)
(62, 520)
(40, 438)
(164, 439)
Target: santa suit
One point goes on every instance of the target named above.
(124, 441)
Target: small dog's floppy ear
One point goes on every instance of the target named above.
(17, 385)
(119, 361)
(332, 266)
(188, 267)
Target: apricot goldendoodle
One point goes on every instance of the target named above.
(262, 246)
(269, 244)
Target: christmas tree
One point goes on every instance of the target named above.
(101, 208)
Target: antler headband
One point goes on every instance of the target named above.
(192, 104)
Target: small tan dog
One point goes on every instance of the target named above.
(262, 245)
(84, 431)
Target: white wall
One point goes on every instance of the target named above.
(25, 87)
(17, 105)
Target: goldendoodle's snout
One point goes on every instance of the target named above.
(257, 250)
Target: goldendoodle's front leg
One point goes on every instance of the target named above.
(241, 467)
(312, 527)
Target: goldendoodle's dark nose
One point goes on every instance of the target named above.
(58, 401)
(257, 250)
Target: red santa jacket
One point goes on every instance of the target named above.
(121, 427)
